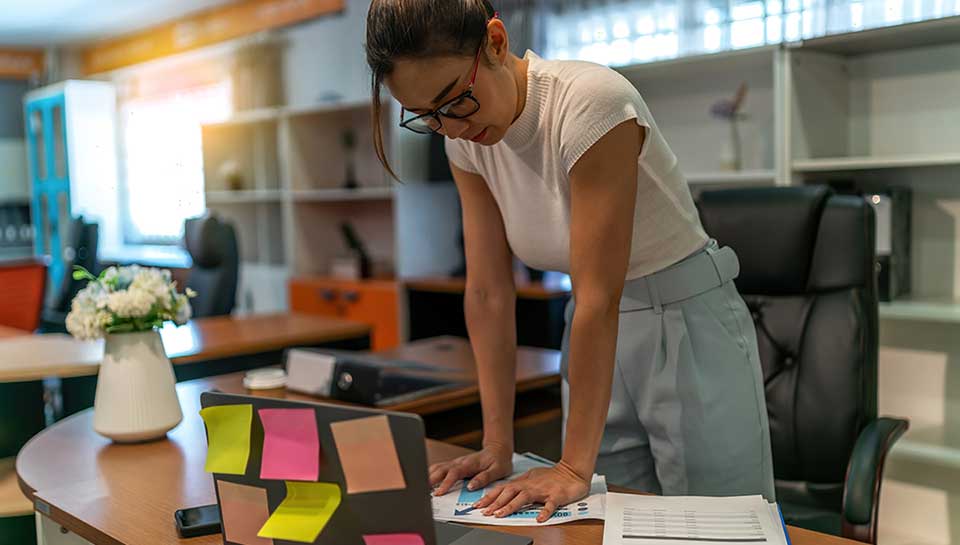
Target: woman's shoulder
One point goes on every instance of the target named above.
(576, 79)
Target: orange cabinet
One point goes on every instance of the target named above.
(373, 302)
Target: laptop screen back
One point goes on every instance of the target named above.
(288, 470)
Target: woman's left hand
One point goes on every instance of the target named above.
(553, 487)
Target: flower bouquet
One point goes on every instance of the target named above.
(136, 396)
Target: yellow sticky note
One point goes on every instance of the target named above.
(303, 514)
(228, 438)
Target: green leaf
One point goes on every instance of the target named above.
(125, 327)
(80, 273)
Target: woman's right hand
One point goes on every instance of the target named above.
(490, 464)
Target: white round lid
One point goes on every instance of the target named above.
(265, 379)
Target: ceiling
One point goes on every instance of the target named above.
(40, 23)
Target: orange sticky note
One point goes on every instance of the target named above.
(245, 510)
(368, 454)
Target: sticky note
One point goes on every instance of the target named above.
(393, 539)
(303, 514)
(368, 455)
(228, 438)
(245, 510)
(291, 447)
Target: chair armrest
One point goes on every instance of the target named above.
(861, 492)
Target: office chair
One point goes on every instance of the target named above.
(212, 243)
(807, 274)
(83, 241)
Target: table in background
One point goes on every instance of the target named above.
(8, 332)
(454, 415)
(203, 347)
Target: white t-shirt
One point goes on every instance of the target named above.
(570, 105)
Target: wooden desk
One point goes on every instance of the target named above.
(454, 415)
(435, 307)
(36, 357)
(525, 290)
(126, 494)
(203, 347)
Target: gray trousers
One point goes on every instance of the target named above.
(687, 412)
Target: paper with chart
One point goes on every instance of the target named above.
(455, 506)
(658, 520)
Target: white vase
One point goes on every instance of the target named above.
(136, 390)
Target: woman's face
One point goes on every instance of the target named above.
(421, 85)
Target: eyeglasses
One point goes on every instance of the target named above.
(459, 107)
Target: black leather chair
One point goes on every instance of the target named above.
(212, 244)
(81, 250)
(808, 277)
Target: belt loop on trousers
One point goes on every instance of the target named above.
(654, 293)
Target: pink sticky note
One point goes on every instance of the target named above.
(244, 510)
(393, 539)
(291, 448)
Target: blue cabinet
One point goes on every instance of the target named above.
(72, 163)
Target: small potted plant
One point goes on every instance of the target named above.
(136, 397)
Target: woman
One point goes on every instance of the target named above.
(561, 164)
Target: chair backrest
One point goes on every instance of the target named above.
(22, 286)
(82, 244)
(808, 276)
(212, 244)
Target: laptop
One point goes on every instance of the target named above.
(398, 510)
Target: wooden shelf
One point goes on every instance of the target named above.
(925, 311)
(244, 196)
(699, 65)
(931, 446)
(763, 177)
(331, 107)
(337, 195)
(897, 37)
(838, 164)
(259, 115)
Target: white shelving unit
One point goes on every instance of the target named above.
(935, 446)
(680, 93)
(842, 164)
(921, 311)
(279, 174)
(243, 196)
(343, 195)
(876, 108)
(741, 177)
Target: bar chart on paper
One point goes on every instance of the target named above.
(720, 527)
(675, 520)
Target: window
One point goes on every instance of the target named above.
(163, 160)
(618, 33)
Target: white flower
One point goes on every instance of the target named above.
(184, 311)
(131, 303)
(122, 297)
(88, 318)
(155, 282)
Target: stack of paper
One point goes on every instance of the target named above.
(455, 506)
(673, 520)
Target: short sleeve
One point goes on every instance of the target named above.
(459, 155)
(595, 102)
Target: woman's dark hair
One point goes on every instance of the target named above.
(418, 29)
